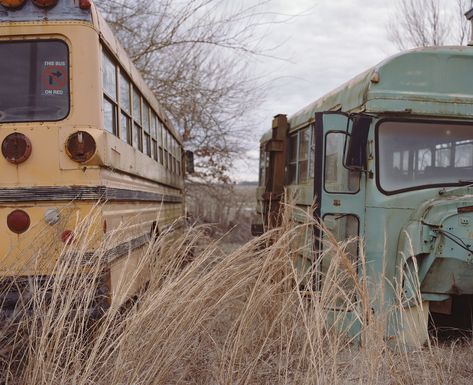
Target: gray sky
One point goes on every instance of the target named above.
(330, 42)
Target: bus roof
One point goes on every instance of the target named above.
(423, 81)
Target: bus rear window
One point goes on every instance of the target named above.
(34, 81)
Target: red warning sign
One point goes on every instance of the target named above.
(54, 78)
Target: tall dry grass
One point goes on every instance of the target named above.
(247, 317)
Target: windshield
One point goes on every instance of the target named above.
(421, 154)
(34, 81)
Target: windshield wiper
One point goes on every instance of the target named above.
(466, 181)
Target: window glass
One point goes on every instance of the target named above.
(137, 137)
(125, 128)
(160, 132)
(109, 113)
(165, 163)
(161, 155)
(464, 153)
(337, 177)
(344, 230)
(136, 106)
(125, 99)
(147, 145)
(292, 159)
(415, 154)
(154, 125)
(304, 142)
(312, 153)
(146, 125)
(155, 150)
(109, 76)
(34, 81)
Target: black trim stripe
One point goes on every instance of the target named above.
(122, 249)
(70, 193)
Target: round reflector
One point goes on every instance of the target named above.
(80, 146)
(12, 4)
(45, 3)
(16, 148)
(18, 221)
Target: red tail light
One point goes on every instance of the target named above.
(67, 236)
(84, 4)
(45, 3)
(18, 221)
(16, 148)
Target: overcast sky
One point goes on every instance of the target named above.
(330, 42)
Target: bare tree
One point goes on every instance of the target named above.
(423, 23)
(194, 55)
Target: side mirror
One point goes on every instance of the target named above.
(356, 156)
(189, 162)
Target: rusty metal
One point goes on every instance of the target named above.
(441, 307)
(16, 148)
(81, 146)
(274, 188)
(466, 209)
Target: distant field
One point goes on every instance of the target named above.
(230, 207)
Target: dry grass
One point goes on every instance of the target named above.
(235, 318)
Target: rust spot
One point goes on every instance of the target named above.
(466, 209)
(80, 146)
(16, 148)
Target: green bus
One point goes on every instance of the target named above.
(387, 159)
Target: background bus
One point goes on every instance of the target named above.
(78, 124)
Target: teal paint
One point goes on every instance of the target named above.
(412, 238)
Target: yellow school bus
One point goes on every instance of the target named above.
(78, 125)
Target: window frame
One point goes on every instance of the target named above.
(324, 165)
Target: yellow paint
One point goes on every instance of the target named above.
(116, 164)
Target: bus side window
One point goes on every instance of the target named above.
(312, 152)
(337, 177)
(137, 130)
(345, 229)
(109, 79)
(291, 168)
(125, 109)
(304, 151)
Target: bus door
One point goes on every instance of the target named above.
(339, 193)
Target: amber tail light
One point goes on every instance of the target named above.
(12, 4)
(18, 221)
(80, 146)
(16, 148)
